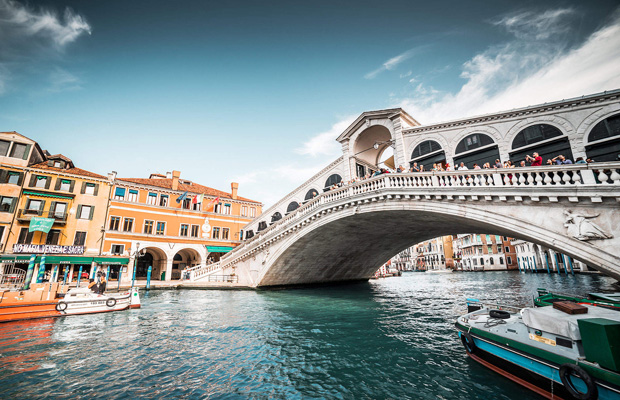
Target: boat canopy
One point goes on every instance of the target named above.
(548, 319)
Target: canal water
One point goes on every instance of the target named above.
(391, 338)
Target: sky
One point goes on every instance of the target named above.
(257, 92)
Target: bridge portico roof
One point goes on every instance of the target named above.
(390, 113)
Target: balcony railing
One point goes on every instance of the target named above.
(60, 217)
(26, 214)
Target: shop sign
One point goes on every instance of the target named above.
(47, 249)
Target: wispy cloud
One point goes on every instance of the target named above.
(29, 34)
(324, 143)
(63, 81)
(536, 66)
(392, 63)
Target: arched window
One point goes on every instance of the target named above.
(312, 193)
(293, 205)
(276, 217)
(607, 135)
(177, 257)
(478, 148)
(332, 180)
(428, 153)
(262, 225)
(527, 141)
(249, 234)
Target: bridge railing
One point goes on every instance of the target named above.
(551, 176)
(200, 271)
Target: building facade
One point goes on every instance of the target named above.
(170, 224)
(532, 257)
(436, 253)
(483, 252)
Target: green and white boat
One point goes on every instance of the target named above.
(606, 300)
(555, 354)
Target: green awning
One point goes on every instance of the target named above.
(112, 260)
(218, 249)
(67, 260)
(52, 195)
(17, 258)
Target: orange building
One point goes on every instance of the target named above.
(171, 224)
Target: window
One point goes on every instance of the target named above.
(119, 194)
(491, 261)
(498, 239)
(148, 227)
(13, 178)
(117, 249)
(244, 211)
(184, 230)
(475, 261)
(501, 261)
(196, 206)
(499, 249)
(40, 181)
(57, 164)
(52, 237)
(58, 210)
(151, 199)
(505, 238)
(478, 239)
(4, 147)
(488, 237)
(508, 260)
(489, 249)
(90, 188)
(133, 196)
(225, 233)
(64, 185)
(252, 212)
(218, 208)
(227, 208)
(115, 223)
(7, 204)
(128, 225)
(195, 230)
(34, 206)
(25, 237)
(481, 261)
(507, 249)
(85, 212)
(80, 239)
(187, 203)
(161, 228)
(19, 151)
(216, 233)
(163, 200)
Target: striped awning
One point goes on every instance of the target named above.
(52, 195)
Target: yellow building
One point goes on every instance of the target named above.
(170, 224)
(68, 202)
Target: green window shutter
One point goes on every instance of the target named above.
(52, 207)
(27, 152)
(79, 212)
(92, 211)
(71, 186)
(58, 181)
(33, 180)
(20, 180)
(42, 205)
(50, 163)
(83, 188)
(13, 204)
(48, 182)
(4, 174)
(96, 189)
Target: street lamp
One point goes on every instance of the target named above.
(136, 254)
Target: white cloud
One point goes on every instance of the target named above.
(391, 63)
(324, 143)
(535, 67)
(63, 81)
(29, 34)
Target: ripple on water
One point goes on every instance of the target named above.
(391, 338)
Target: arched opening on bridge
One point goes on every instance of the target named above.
(249, 234)
(293, 205)
(154, 257)
(332, 180)
(261, 226)
(604, 140)
(370, 144)
(427, 153)
(184, 258)
(311, 194)
(276, 217)
(547, 140)
(476, 148)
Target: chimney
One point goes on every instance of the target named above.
(112, 176)
(175, 180)
(233, 187)
(168, 175)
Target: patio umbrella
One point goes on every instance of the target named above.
(30, 271)
(41, 273)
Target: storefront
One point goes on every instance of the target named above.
(214, 253)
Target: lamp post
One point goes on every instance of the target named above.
(136, 254)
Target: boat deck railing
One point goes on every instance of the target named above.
(12, 277)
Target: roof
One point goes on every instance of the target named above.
(184, 187)
(72, 171)
(18, 134)
(378, 114)
(62, 157)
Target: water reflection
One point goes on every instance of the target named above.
(391, 338)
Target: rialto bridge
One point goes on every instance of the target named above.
(318, 235)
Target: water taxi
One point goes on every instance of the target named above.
(550, 350)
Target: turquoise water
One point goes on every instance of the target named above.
(392, 338)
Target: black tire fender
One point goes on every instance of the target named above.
(468, 342)
(110, 302)
(566, 370)
(61, 306)
(499, 314)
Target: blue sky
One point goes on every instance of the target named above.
(256, 92)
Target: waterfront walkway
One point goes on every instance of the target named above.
(180, 284)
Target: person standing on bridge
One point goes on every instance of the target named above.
(535, 160)
(463, 167)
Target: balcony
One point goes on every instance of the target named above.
(26, 214)
(60, 217)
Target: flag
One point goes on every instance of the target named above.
(182, 197)
(195, 200)
(201, 197)
(212, 202)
